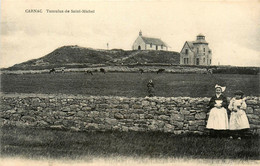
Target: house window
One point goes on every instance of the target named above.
(209, 51)
(186, 51)
(204, 49)
(197, 61)
(197, 50)
(203, 60)
(185, 60)
(151, 45)
(161, 46)
(210, 61)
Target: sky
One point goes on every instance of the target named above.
(232, 28)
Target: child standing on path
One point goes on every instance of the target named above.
(238, 119)
(150, 87)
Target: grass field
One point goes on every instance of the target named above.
(37, 143)
(129, 84)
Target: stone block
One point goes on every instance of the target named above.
(28, 119)
(257, 111)
(253, 126)
(201, 128)
(197, 123)
(189, 117)
(125, 106)
(12, 111)
(148, 116)
(201, 115)
(134, 116)
(198, 132)
(35, 102)
(249, 110)
(20, 124)
(124, 128)
(66, 109)
(81, 113)
(103, 106)
(184, 112)
(251, 102)
(145, 103)
(139, 111)
(59, 127)
(193, 128)
(62, 113)
(86, 108)
(92, 126)
(111, 121)
(168, 128)
(133, 128)
(177, 117)
(15, 117)
(141, 116)
(152, 127)
(178, 132)
(252, 116)
(200, 106)
(136, 106)
(179, 125)
(254, 121)
(160, 123)
(93, 114)
(163, 117)
(75, 128)
(119, 116)
(42, 105)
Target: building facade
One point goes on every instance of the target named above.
(196, 52)
(147, 43)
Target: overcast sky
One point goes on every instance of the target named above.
(232, 28)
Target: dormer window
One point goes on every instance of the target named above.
(151, 45)
(161, 46)
(186, 51)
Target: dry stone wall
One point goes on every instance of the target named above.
(100, 113)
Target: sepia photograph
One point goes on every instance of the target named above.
(130, 82)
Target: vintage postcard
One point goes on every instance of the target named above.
(130, 82)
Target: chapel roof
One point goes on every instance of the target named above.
(155, 41)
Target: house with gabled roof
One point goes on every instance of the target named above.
(196, 52)
(148, 43)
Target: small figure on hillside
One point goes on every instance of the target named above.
(52, 70)
(102, 70)
(150, 87)
(160, 71)
(238, 119)
(90, 72)
(141, 71)
(218, 118)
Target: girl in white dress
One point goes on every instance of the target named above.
(238, 119)
(218, 118)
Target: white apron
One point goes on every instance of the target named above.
(218, 119)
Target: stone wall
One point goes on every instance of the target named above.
(176, 115)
